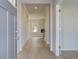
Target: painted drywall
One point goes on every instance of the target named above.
(53, 26)
(68, 15)
(24, 25)
(57, 30)
(47, 25)
(18, 26)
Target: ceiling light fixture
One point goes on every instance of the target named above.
(35, 7)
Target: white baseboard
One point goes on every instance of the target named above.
(37, 37)
(18, 51)
(69, 50)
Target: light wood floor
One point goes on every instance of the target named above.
(35, 49)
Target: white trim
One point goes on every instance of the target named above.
(14, 35)
(57, 30)
(69, 49)
(51, 49)
(7, 35)
(51, 28)
(20, 49)
(78, 28)
(20, 30)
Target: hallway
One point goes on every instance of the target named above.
(38, 29)
(35, 49)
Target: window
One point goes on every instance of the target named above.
(34, 27)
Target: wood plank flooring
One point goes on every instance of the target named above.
(35, 49)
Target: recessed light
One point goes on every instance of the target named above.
(35, 7)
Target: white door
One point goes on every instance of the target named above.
(7, 30)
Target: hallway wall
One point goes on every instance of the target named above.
(18, 26)
(24, 25)
(47, 25)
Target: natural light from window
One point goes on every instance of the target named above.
(35, 29)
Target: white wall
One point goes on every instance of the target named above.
(22, 25)
(18, 26)
(68, 20)
(53, 26)
(47, 25)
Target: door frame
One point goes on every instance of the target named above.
(19, 45)
(58, 52)
(19, 3)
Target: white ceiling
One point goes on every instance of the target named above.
(40, 8)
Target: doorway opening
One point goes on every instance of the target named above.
(35, 29)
